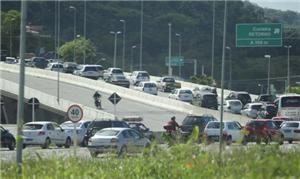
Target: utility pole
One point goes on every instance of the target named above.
(124, 35)
(269, 66)
(213, 41)
(74, 29)
(169, 64)
(288, 67)
(84, 30)
(131, 59)
(10, 39)
(141, 39)
(115, 48)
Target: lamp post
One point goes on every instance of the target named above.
(213, 41)
(288, 66)
(115, 49)
(124, 36)
(141, 38)
(131, 59)
(10, 39)
(84, 30)
(179, 50)
(269, 64)
(230, 68)
(74, 37)
(169, 64)
(261, 88)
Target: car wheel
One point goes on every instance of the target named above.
(290, 141)
(24, 146)
(122, 151)
(244, 141)
(94, 154)
(46, 144)
(68, 143)
(59, 146)
(229, 140)
(281, 140)
(12, 145)
(267, 139)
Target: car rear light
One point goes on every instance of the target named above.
(114, 141)
(297, 130)
(41, 133)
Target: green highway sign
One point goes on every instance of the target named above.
(259, 35)
(175, 61)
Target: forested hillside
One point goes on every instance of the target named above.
(193, 20)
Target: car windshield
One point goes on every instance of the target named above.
(193, 120)
(291, 101)
(292, 124)
(244, 97)
(168, 80)
(143, 75)
(214, 125)
(117, 71)
(185, 92)
(266, 98)
(256, 107)
(107, 133)
(70, 124)
(210, 97)
(32, 126)
(90, 68)
(149, 85)
(235, 103)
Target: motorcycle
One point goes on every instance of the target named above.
(98, 103)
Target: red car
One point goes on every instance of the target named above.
(262, 130)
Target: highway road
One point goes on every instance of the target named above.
(154, 117)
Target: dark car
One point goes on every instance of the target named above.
(262, 130)
(69, 67)
(191, 121)
(244, 97)
(267, 98)
(7, 139)
(206, 100)
(96, 125)
(39, 62)
(119, 80)
(267, 111)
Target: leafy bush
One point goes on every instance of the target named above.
(178, 161)
(203, 80)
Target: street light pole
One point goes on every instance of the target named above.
(84, 30)
(115, 49)
(124, 36)
(213, 41)
(10, 39)
(269, 65)
(74, 37)
(179, 50)
(141, 39)
(169, 64)
(288, 66)
(230, 68)
(131, 59)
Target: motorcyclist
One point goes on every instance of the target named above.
(172, 125)
(97, 95)
(97, 99)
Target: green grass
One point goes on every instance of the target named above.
(180, 161)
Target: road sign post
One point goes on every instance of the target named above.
(34, 102)
(259, 35)
(114, 99)
(175, 61)
(75, 114)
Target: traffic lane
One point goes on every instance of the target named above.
(154, 117)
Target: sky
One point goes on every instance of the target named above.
(293, 5)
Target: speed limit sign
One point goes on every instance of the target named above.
(75, 113)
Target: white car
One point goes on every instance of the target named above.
(138, 76)
(120, 140)
(291, 130)
(44, 133)
(110, 72)
(182, 94)
(232, 131)
(233, 106)
(81, 128)
(55, 66)
(147, 87)
(251, 109)
(88, 71)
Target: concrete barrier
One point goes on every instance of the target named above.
(48, 100)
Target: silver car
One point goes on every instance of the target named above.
(119, 140)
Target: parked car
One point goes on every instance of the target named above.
(7, 139)
(167, 84)
(206, 100)
(111, 71)
(135, 122)
(69, 67)
(11, 60)
(244, 97)
(88, 71)
(38, 62)
(262, 130)
(55, 67)
(291, 131)
(233, 105)
(232, 131)
(267, 111)
(119, 140)
(182, 94)
(97, 125)
(267, 98)
(119, 80)
(139, 76)
(191, 121)
(147, 87)
(81, 129)
(251, 109)
(44, 133)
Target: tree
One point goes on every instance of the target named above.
(66, 51)
(203, 80)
